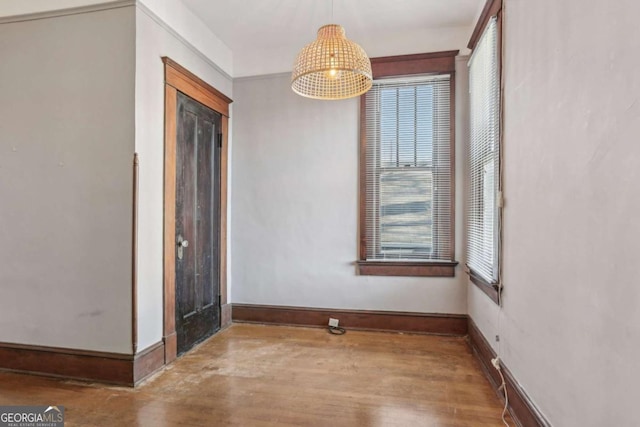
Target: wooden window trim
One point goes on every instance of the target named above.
(403, 65)
(407, 268)
(178, 78)
(422, 63)
(492, 290)
(491, 8)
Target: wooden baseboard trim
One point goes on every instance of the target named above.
(522, 410)
(388, 321)
(148, 362)
(109, 368)
(67, 363)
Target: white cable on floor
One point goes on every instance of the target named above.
(506, 398)
(496, 361)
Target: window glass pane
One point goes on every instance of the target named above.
(388, 127)
(424, 137)
(488, 199)
(406, 216)
(406, 125)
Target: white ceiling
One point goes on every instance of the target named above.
(22, 7)
(265, 35)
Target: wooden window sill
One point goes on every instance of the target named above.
(491, 290)
(407, 268)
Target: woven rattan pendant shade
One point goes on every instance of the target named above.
(331, 67)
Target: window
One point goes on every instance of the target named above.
(484, 204)
(407, 172)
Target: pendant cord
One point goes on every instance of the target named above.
(331, 11)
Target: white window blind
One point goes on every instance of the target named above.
(408, 169)
(484, 157)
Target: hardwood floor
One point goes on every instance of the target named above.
(255, 375)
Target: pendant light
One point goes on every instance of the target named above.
(331, 67)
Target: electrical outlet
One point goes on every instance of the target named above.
(496, 363)
(333, 322)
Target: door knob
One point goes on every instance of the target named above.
(182, 243)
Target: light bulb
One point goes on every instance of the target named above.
(333, 73)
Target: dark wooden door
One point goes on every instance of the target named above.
(197, 222)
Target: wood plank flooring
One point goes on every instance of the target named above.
(255, 375)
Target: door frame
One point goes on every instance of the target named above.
(177, 78)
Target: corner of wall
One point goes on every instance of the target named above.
(161, 30)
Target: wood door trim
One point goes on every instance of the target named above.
(178, 78)
(224, 154)
(171, 98)
(194, 87)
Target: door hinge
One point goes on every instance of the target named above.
(219, 300)
(220, 140)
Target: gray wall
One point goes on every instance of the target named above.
(66, 152)
(295, 206)
(570, 326)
